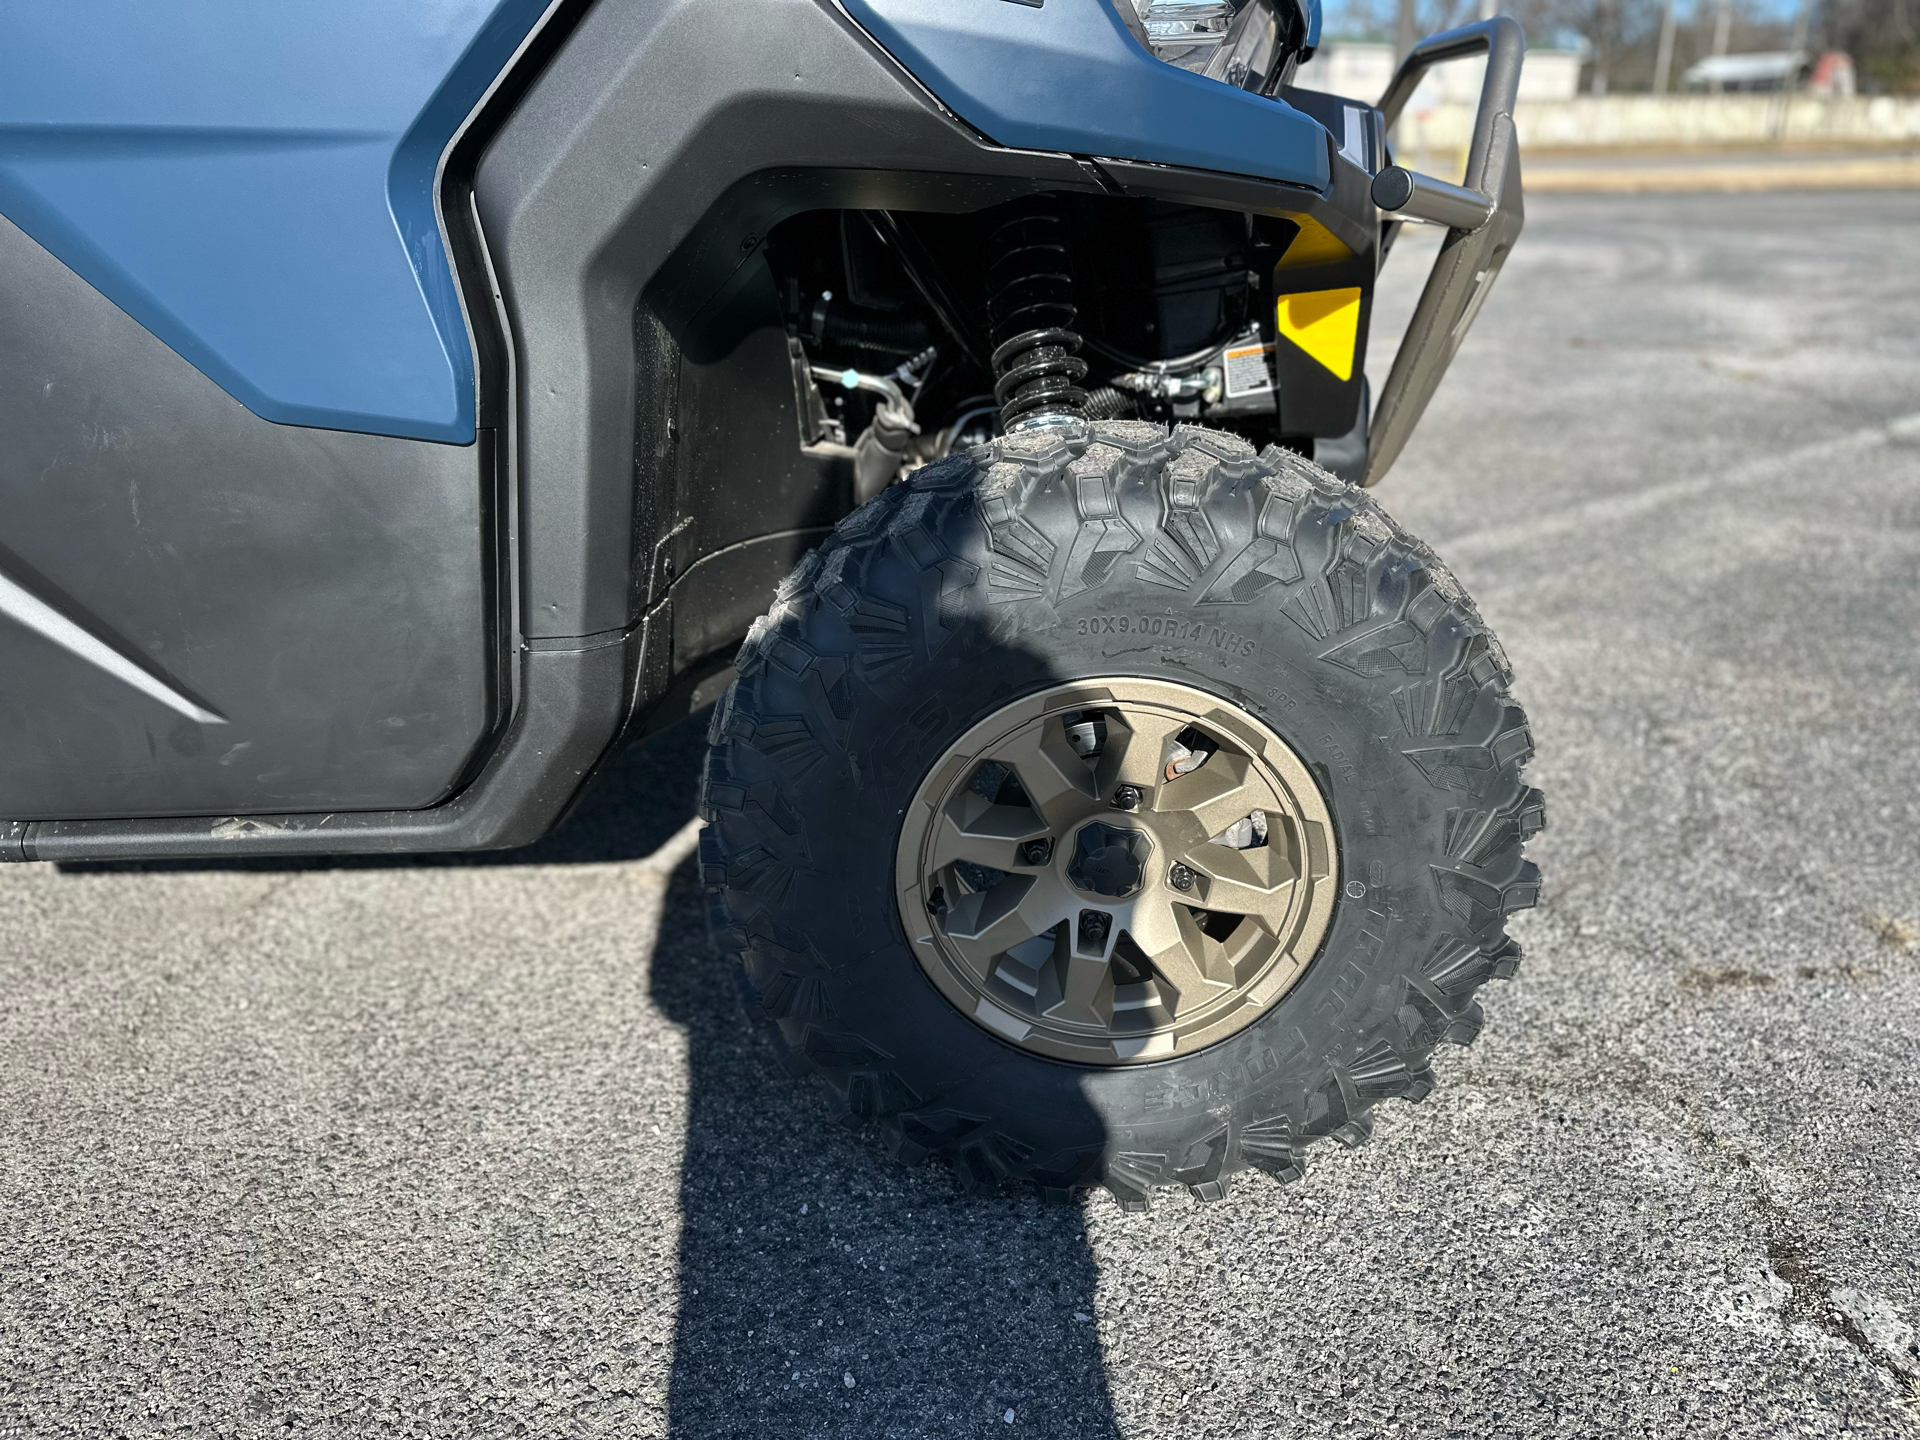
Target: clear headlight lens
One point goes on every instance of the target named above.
(1241, 42)
(1176, 29)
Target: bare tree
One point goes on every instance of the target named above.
(1381, 19)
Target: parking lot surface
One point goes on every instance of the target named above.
(486, 1149)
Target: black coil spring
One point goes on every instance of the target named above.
(1030, 310)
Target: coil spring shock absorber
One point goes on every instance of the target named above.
(1030, 308)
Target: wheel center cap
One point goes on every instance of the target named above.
(1109, 860)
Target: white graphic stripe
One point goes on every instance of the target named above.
(25, 608)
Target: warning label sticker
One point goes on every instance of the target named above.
(1246, 368)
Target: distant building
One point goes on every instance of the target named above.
(1363, 68)
(1762, 70)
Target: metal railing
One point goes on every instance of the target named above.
(1482, 218)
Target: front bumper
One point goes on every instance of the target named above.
(1482, 218)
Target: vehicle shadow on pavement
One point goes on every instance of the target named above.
(806, 1250)
(825, 1288)
(828, 1290)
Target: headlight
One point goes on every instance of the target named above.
(1246, 43)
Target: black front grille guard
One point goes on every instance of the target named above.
(1482, 218)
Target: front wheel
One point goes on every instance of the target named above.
(1114, 807)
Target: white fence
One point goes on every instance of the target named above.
(1661, 120)
(1677, 121)
(1550, 115)
(1362, 69)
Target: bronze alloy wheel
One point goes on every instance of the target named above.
(1117, 871)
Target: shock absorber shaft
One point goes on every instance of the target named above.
(1036, 365)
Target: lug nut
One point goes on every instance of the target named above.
(1093, 929)
(1037, 852)
(1180, 877)
(1127, 797)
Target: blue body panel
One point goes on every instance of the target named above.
(1068, 75)
(254, 184)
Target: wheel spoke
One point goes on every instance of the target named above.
(954, 844)
(1152, 924)
(1086, 985)
(1061, 785)
(1179, 952)
(974, 829)
(1258, 882)
(1136, 750)
(1220, 792)
(984, 926)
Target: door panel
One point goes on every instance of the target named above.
(202, 612)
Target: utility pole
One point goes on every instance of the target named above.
(1663, 59)
(1489, 9)
(1801, 24)
(1790, 82)
(1722, 31)
(1407, 33)
(1602, 42)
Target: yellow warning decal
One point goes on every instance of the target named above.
(1325, 324)
(1313, 245)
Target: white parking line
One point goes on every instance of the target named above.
(1606, 509)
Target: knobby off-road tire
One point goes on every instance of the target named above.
(1109, 550)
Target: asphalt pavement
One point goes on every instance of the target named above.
(462, 1149)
